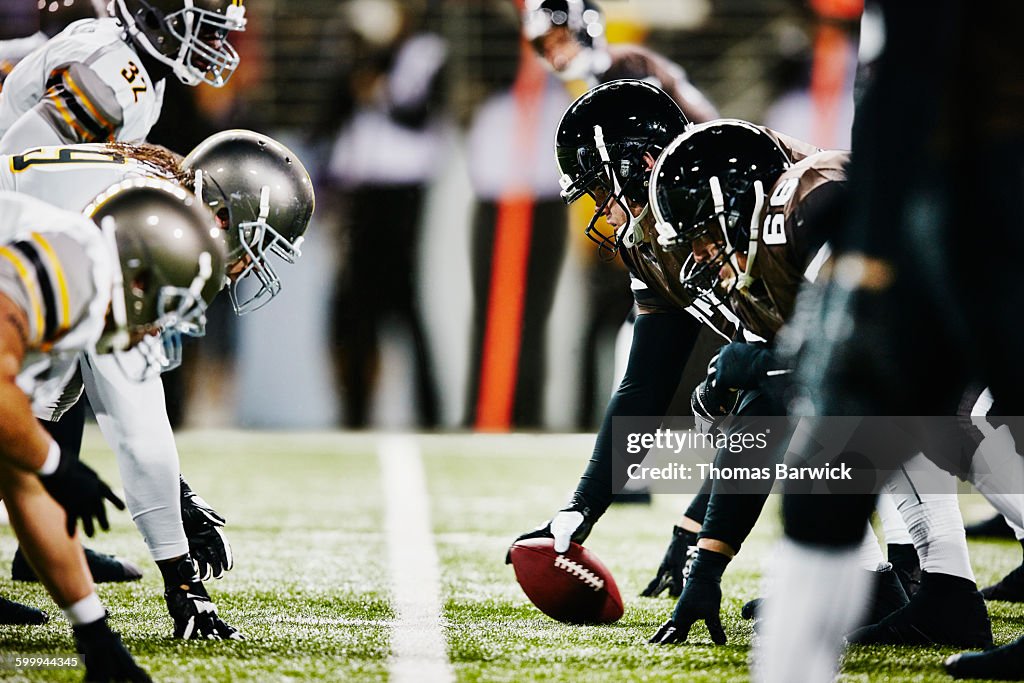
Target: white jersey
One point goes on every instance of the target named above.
(57, 267)
(14, 50)
(70, 176)
(131, 415)
(86, 84)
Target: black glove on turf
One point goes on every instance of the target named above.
(674, 566)
(701, 600)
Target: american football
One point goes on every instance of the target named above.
(311, 309)
(573, 587)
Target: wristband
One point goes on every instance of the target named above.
(52, 461)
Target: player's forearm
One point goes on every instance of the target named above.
(660, 349)
(23, 442)
(39, 522)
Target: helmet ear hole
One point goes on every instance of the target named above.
(140, 281)
(151, 19)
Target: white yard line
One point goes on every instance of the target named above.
(418, 652)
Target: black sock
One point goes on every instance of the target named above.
(92, 630)
(946, 582)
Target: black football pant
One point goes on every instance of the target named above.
(727, 509)
(657, 356)
(67, 432)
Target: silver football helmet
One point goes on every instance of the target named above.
(263, 197)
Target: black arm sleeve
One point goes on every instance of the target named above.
(662, 343)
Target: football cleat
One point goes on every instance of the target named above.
(1009, 589)
(16, 614)
(1004, 663)
(104, 568)
(993, 527)
(887, 597)
(194, 614)
(947, 610)
(105, 656)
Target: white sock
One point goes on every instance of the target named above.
(85, 611)
(808, 613)
(893, 525)
(869, 554)
(925, 496)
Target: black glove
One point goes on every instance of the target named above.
(701, 600)
(710, 405)
(81, 493)
(675, 566)
(207, 544)
(105, 656)
(194, 614)
(571, 523)
(741, 365)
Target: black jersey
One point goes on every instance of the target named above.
(791, 245)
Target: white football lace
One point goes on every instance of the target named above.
(580, 572)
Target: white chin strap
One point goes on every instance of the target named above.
(745, 279)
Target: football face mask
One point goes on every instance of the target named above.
(603, 172)
(156, 348)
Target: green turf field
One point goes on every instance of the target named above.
(311, 586)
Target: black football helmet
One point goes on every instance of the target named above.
(189, 36)
(600, 146)
(585, 23)
(713, 181)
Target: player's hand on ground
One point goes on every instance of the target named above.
(207, 543)
(571, 523)
(701, 600)
(83, 495)
(675, 566)
(194, 614)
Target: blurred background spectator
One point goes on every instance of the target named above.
(573, 39)
(517, 246)
(384, 125)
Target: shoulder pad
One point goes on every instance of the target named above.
(80, 105)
